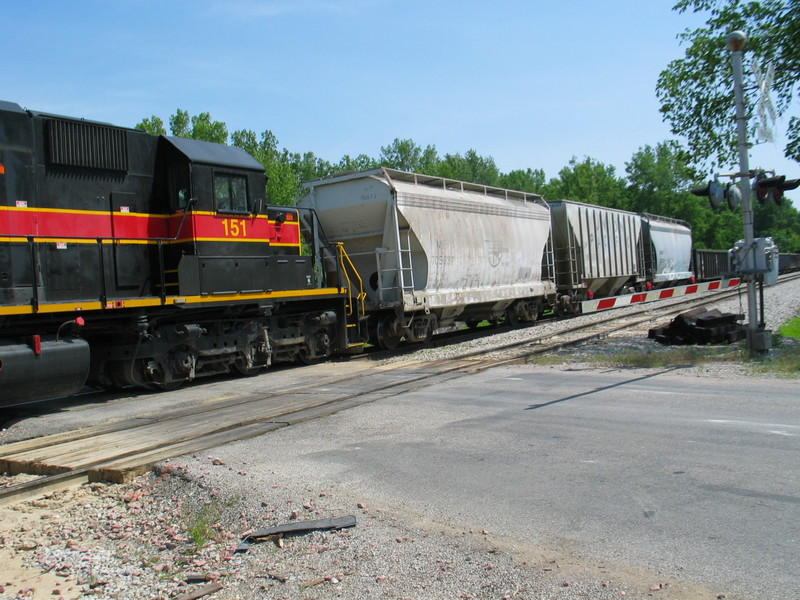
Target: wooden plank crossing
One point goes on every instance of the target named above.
(50, 458)
(119, 451)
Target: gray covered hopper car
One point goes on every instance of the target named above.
(667, 251)
(602, 252)
(431, 250)
(598, 251)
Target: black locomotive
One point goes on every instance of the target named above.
(133, 259)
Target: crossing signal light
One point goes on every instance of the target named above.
(771, 188)
(718, 194)
(714, 191)
(733, 194)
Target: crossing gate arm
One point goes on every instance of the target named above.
(598, 304)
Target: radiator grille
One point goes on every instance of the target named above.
(87, 145)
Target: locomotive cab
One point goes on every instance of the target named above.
(226, 240)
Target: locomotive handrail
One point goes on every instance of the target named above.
(100, 240)
(361, 296)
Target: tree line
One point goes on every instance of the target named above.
(657, 179)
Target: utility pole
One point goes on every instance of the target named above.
(758, 340)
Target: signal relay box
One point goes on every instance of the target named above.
(760, 257)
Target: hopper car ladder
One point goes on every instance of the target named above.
(403, 271)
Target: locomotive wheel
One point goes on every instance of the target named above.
(162, 370)
(168, 386)
(241, 368)
(302, 357)
(388, 338)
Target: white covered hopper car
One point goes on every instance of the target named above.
(432, 250)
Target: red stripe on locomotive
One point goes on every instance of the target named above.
(24, 222)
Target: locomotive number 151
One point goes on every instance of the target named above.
(235, 227)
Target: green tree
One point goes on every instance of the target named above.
(589, 181)
(405, 155)
(470, 167)
(198, 127)
(659, 182)
(362, 162)
(308, 166)
(696, 92)
(780, 222)
(529, 180)
(282, 180)
(153, 125)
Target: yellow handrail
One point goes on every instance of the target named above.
(361, 296)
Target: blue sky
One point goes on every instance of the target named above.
(528, 82)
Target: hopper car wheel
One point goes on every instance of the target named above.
(563, 312)
(428, 335)
(388, 338)
(511, 317)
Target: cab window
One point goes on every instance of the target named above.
(230, 192)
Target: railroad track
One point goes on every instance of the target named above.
(118, 451)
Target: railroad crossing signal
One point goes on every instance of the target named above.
(765, 108)
(765, 188)
(772, 188)
(718, 193)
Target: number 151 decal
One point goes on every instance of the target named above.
(235, 227)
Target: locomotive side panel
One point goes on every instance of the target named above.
(229, 240)
(147, 261)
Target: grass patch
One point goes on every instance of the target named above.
(784, 359)
(199, 527)
(791, 328)
(675, 356)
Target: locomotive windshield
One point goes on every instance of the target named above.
(230, 193)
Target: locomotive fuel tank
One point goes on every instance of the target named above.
(47, 367)
(432, 249)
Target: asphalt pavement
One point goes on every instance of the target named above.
(689, 477)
